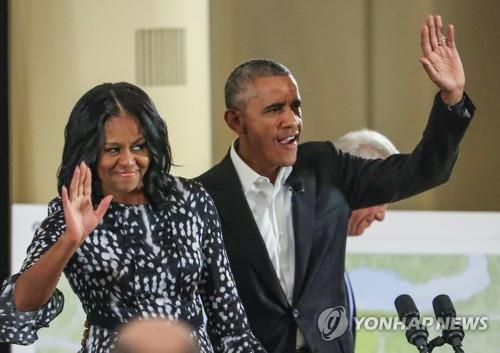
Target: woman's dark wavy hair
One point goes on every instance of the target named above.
(84, 137)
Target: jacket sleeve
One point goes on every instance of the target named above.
(373, 182)
(20, 327)
(228, 325)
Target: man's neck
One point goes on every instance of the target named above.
(270, 172)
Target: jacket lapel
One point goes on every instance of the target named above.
(237, 220)
(303, 201)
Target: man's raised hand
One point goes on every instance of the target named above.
(440, 59)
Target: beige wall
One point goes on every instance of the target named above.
(356, 63)
(475, 184)
(357, 66)
(60, 49)
(322, 42)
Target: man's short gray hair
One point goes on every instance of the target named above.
(246, 73)
(367, 144)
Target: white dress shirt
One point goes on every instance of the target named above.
(271, 206)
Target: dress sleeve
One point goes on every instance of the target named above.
(228, 325)
(20, 327)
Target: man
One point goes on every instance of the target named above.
(284, 208)
(155, 336)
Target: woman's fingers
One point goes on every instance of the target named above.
(65, 198)
(103, 207)
(68, 210)
(73, 187)
(87, 185)
(81, 182)
(83, 174)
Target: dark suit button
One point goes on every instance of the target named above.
(296, 313)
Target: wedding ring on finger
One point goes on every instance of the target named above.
(442, 41)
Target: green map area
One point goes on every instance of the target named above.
(474, 280)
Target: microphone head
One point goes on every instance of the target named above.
(443, 307)
(453, 332)
(297, 186)
(406, 308)
(416, 333)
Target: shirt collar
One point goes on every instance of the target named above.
(248, 176)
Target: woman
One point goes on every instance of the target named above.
(132, 240)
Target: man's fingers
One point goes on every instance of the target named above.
(439, 26)
(439, 30)
(103, 207)
(432, 31)
(353, 224)
(349, 228)
(428, 67)
(450, 39)
(424, 40)
(356, 229)
(442, 38)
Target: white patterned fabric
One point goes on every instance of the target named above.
(143, 262)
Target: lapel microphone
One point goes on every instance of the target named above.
(296, 187)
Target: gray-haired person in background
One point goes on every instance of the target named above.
(368, 144)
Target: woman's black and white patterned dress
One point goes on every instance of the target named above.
(143, 262)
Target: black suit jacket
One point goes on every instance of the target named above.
(327, 184)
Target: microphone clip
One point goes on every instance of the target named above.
(296, 188)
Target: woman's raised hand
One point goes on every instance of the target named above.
(79, 213)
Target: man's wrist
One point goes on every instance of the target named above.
(452, 98)
(457, 107)
(464, 107)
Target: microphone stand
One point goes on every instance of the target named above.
(417, 334)
(418, 337)
(453, 333)
(436, 342)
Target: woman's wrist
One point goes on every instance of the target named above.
(69, 242)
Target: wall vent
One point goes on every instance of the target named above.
(160, 56)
